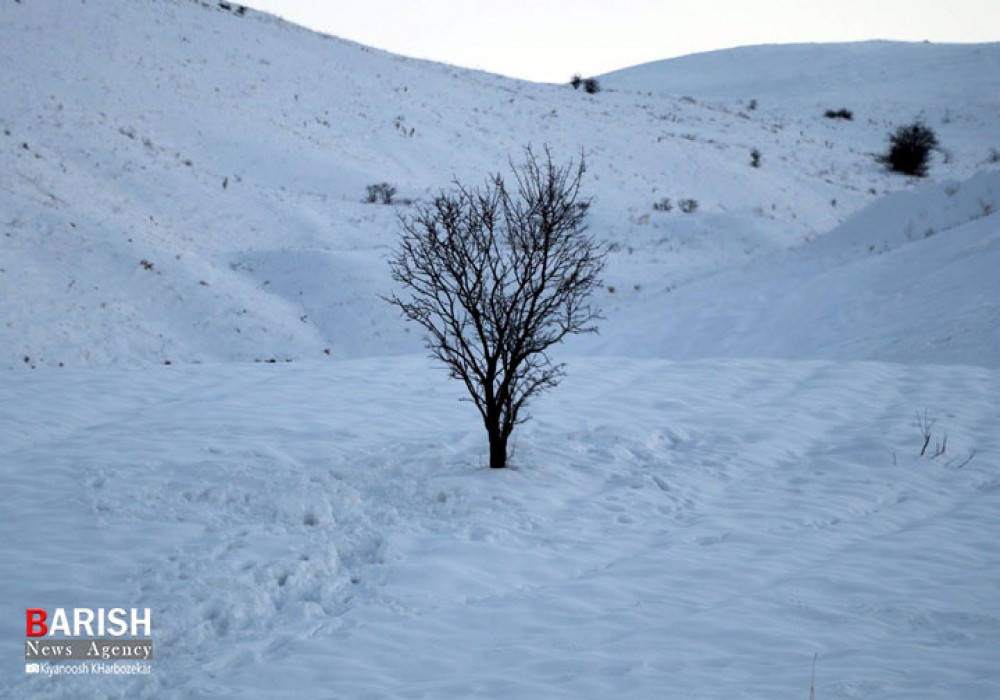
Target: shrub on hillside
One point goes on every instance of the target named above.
(381, 192)
(910, 149)
(839, 114)
(688, 206)
(591, 86)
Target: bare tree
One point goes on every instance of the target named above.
(496, 276)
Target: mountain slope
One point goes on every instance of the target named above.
(908, 75)
(185, 183)
(908, 279)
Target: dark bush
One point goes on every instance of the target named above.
(381, 192)
(839, 114)
(576, 81)
(909, 149)
(755, 158)
(688, 206)
(591, 86)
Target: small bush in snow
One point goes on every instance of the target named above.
(591, 86)
(400, 124)
(755, 158)
(925, 425)
(839, 114)
(576, 81)
(688, 206)
(909, 149)
(229, 7)
(381, 193)
(663, 205)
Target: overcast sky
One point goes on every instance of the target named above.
(550, 40)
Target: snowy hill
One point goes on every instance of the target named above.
(729, 480)
(908, 279)
(185, 183)
(921, 76)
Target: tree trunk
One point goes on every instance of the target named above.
(498, 449)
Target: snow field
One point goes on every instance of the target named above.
(694, 528)
(727, 482)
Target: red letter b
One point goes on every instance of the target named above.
(35, 625)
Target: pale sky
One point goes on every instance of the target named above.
(550, 40)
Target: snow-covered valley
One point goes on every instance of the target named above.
(207, 409)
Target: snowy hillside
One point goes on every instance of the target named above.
(184, 183)
(728, 482)
(911, 278)
(875, 74)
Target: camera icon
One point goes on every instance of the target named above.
(32, 668)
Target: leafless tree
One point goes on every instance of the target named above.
(497, 275)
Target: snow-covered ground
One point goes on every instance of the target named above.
(672, 529)
(727, 483)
